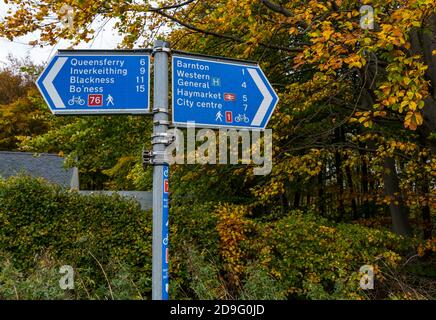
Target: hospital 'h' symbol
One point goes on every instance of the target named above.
(216, 82)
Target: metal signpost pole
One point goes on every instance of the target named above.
(160, 172)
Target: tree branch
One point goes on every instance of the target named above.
(225, 36)
(175, 6)
(282, 10)
(277, 8)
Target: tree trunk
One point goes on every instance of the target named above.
(399, 212)
(423, 42)
(297, 198)
(351, 187)
(321, 199)
(365, 185)
(426, 218)
(285, 204)
(339, 175)
(425, 213)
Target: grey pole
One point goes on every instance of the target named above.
(159, 140)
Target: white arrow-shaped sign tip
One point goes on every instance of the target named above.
(267, 98)
(48, 82)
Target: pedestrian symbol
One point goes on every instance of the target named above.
(109, 100)
(219, 116)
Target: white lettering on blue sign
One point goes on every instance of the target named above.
(216, 93)
(97, 84)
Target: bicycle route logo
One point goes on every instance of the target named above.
(93, 100)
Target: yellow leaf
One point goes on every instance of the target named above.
(327, 34)
(418, 118)
(413, 105)
(368, 124)
(367, 41)
(403, 104)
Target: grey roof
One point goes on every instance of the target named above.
(44, 165)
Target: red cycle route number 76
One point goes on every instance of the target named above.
(95, 100)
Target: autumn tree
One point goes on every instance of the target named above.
(23, 114)
(354, 131)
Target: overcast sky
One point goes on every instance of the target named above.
(107, 39)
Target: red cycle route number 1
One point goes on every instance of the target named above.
(95, 100)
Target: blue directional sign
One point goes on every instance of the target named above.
(218, 93)
(97, 83)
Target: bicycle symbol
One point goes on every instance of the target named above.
(76, 100)
(242, 118)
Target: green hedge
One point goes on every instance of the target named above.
(299, 256)
(316, 259)
(37, 217)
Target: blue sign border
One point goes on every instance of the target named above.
(100, 111)
(221, 60)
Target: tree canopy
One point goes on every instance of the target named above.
(354, 134)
